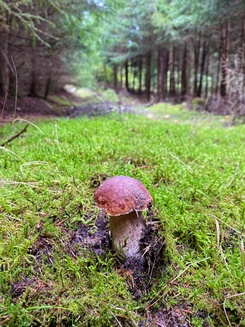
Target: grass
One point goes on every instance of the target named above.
(180, 115)
(195, 174)
(89, 95)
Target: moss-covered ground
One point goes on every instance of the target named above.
(194, 167)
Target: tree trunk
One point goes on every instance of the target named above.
(126, 76)
(121, 76)
(134, 67)
(166, 73)
(140, 64)
(115, 80)
(212, 91)
(47, 87)
(160, 74)
(204, 54)
(184, 83)
(4, 64)
(33, 85)
(224, 58)
(171, 72)
(218, 74)
(178, 68)
(196, 63)
(105, 73)
(148, 76)
(243, 58)
(207, 71)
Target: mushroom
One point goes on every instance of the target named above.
(124, 198)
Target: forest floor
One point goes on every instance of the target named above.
(58, 267)
(73, 103)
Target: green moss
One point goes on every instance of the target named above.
(195, 173)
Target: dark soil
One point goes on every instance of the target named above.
(32, 108)
(42, 251)
(140, 273)
(176, 317)
(26, 107)
(33, 284)
(99, 241)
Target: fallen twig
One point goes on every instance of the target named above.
(5, 320)
(15, 136)
(62, 221)
(140, 167)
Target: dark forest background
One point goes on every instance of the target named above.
(185, 50)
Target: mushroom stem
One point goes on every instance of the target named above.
(127, 230)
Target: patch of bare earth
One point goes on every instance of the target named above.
(176, 317)
(26, 108)
(32, 108)
(34, 285)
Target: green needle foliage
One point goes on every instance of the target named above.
(191, 164)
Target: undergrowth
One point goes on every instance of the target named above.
(195, 174)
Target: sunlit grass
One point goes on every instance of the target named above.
(195, 173)
(180, 114)
(84, 93)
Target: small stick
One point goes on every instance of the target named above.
(62, 221)
(116, 319)
(230, 297)
(140, 167)
(5, 320)
(15, 136)
(222, 221)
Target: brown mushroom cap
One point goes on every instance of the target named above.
(120, 195)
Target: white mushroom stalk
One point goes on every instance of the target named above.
(124, 198)
(127, 230)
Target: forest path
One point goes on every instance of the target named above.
(73, 102)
